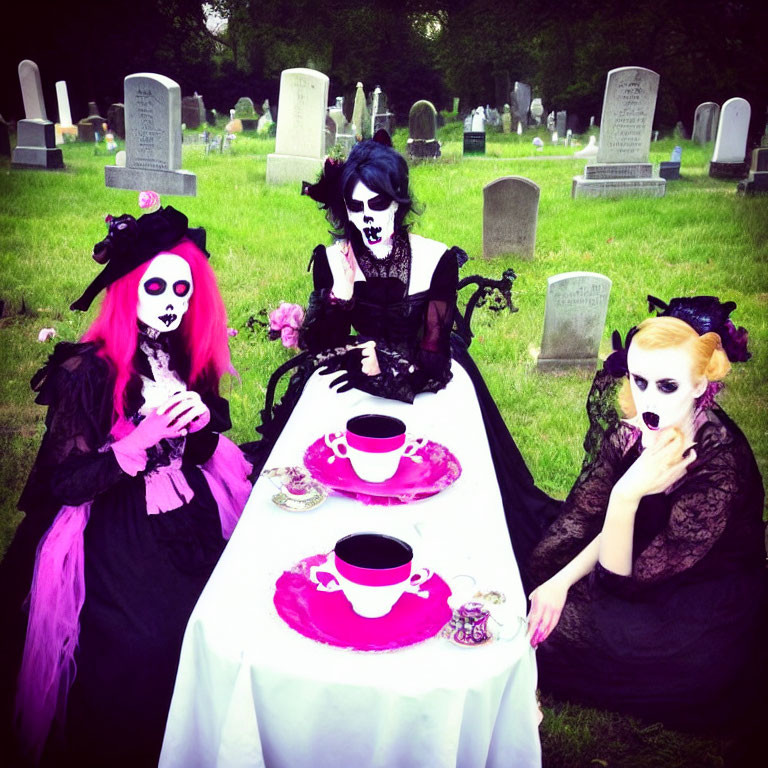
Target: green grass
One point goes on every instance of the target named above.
(700, 238)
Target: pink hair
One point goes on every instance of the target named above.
(203, 328)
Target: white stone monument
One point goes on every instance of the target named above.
(574, 319)
(728, 159)
(622, 166)
(152, 139)
(300, 141)
(705, 121)
(64, 127)
(510, 215)
(35, 135)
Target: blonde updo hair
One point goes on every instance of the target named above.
(709, 359)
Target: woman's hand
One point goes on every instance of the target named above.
(547, 603)
(657, 468)
(186, 409)
(370, 365)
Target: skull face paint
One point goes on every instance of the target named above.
(373, 214)
(164, 292)
(663, 389)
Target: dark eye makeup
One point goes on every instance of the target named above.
(379, 203)
(181, 287)
(667, 386)
(640, 382)
(356, 206)
(154, 286)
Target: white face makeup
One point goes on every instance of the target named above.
(164, 292)
(663, 389)
(373, 214)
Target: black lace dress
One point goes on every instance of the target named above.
(143, 572)
(415, 347)
(682, 639)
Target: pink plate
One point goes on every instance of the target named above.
(438, 469)
(327, 617)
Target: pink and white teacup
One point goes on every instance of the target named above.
(373, 571)
(374, 444)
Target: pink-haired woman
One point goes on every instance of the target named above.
(132, 497)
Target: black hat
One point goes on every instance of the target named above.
(131, 242)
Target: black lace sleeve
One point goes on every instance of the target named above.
(327, 322)
(70, 469)
(583, 512)
(425, 364)
(199, 446)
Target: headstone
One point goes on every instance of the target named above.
(590, 150)
(152, 138)
(330, 133)
(191, 114)
(336, 113)
(93, 108)
(35, 135)
(360, 117)
(5, 139)
(574, 319)
(523, 99)
(247, 123)
(468, 121)
(265, 121)
(244, 108)
(86, 130)
(519, 128)
(211, 117)
(537, 110)
(492, 117)
(374, 108)
(506, 120)
(705, 122)
(510, 213)
(116, 119)
(757, 181)
(731, 142)
(670, 169)
(622, 166)
(478, 120)
(300, 140)
(64, 127)
(551, 122)
(561, 122)
(568, 137)
(474, 143)
(422, 131)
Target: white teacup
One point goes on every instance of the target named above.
(374, 444)
(373, 571)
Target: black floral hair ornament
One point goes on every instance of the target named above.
(704, 314)
(130, 242)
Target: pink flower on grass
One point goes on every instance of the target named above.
(232, 331)
(286, 320)
(46, 334)
(149, 201)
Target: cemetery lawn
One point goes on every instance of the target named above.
(701, 238)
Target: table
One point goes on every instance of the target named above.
(250, 691)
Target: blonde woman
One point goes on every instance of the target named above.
(651, 581)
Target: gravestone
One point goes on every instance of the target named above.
(244, 108)
(506, 120)
(705, 121)
(537, 110)
(510, 214)
(478, 120)
(152, 138)
(468, 121)
(330, 133)
(474, 143)
(192, 111)
(360, 116)
(622, 166)
(574, 319)
(5, 139)
(375, 97)
(561, 122)
(731, 142)
(679, 131)
(336, 113)
(265, 121)
(551, 122)
(116, 119)
(247, 123)
(64, 127)
(422, 131)
(300, 139)
(523, 99)
(492, 117)
(35, 135)
(757, 181)
(670, 169)
(86, 130)
(590, 150)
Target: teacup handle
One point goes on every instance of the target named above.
(331, 586)
(336, 441)
(417, 579)
(413, 445)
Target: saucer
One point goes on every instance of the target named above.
(327, 617)
(297, 490)
(434, 469)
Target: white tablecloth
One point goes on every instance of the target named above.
(251, 691)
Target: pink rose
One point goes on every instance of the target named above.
(232, 331)
(290, 337)
(290, 315)
(149, 201)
